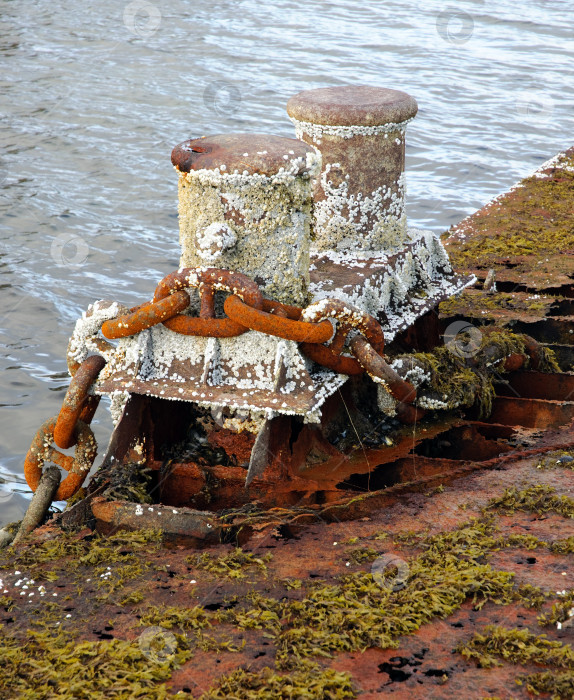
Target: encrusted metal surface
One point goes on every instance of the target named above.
(352, 105)
(396, 288)
(242, 372)
(249, 154)
(251, 372)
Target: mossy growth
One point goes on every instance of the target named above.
(518, 646)
(259, 613)
(360, 610)
(49, 665)
(558, 459)
(530, 596)
(535, 219)
(132, 598)
(105, 565)
(67, 547)
(6, 602)
(451, 382)
(292, 583)
(478, 303)
(561, 612)
(361, 555)
(534, 499)
(234, 565)
(195, 618)
(461, 373)
(565, 546)
(267, 684)
(475, 538)
(557, 685)
(130, 483)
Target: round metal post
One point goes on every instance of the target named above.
(360, 132)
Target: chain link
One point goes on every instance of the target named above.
(208, 282)
(75, 406)
(277, 325)
(77, 466)
(246, 309)
(146, 316)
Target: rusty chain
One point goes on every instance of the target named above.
(70, 427)
(208, 282)
(320, 339)
(77, 466)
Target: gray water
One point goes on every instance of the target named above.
(96, 94)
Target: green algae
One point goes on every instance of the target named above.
(357, 612)
(530, 596)
(117, 547)
(208, 643)
(234, 565)
(473, 302)
(361, 555)
(534, 499)
(457, 380)
(477, 537)
(565, 546)
(518, 646)
(259, 613)
(559, 458)
(558, 685)
(454, 383)
(267, 684)
(292, 583)
(560, 612)
(535, 219)
(132, 598)
(350, 613)
(195, 618)
(51, 666)
(6, 602)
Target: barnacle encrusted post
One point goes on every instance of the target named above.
(245, 204)
(360, 132)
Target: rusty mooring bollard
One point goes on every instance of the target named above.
(245, 204)
(360, 132)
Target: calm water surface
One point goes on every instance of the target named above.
(95, 94)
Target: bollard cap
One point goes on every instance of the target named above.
(255, 153)
(352, 105)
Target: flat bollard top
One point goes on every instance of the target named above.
(243, 154)
(352, 105)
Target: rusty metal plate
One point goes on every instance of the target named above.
(396, 289)
(249, 372)
(263, 154)
(352, 105)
